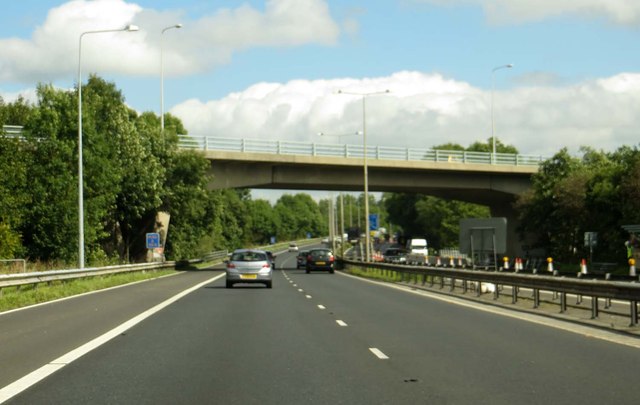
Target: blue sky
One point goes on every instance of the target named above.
(270, 69)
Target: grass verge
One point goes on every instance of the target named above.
(14, 297)
(376, 274)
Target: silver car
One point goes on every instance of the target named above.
(249, 266)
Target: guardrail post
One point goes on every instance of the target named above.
(378, 152)
(563, 302)
(634, 313)
(313, 149)
(536, 298)
(464, 286)
(514, 294)
(453, 284)
(278, 148)
(594, 307)
(478, 288)
(242, 145)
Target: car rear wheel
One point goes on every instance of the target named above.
(269, 284)
(229, 284)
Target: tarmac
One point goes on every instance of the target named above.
(612, 316)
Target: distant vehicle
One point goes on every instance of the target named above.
(301, 259)
(394, 255)
(249, 266)
(319, 259)
(325, 241)
(417, 246)
(293, 247)
(271, 257)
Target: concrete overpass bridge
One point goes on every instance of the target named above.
(475, 177)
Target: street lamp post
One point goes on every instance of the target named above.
(366, 174)
(342, 241)
(493, 136)
(129, 28)
(162, 74)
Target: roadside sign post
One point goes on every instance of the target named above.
(153, 242)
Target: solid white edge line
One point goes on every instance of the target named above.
(378, 353)
(32, 378)
(341, 323)
(523, 316)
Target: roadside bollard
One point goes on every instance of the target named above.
(583, 266)
(438, 262)
(451, 263)
(518, 264)
(632, 267)
(505, 261)
(550, 264)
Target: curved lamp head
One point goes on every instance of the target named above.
(131, 28)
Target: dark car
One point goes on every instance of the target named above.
(301, 259)
(320, 259)
(271, 257)
(394, 255)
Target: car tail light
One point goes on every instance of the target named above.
(266, 265)
(231, 266)
(331, 259)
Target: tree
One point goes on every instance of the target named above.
(434, 218)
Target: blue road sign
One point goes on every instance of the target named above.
(153, 240)
(373, 222)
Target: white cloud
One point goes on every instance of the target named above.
(52, 51)
(424, 110)
(624, 12)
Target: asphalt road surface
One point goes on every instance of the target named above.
(314, 338)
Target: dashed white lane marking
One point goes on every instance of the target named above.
(341, 323)
(322, 307)
(378, 353)
(300, 289)
(308, 296)
(32, 378)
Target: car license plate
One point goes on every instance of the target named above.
(248, 276)
(321, 263)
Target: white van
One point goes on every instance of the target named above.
(417, 246)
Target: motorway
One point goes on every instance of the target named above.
(314, 338)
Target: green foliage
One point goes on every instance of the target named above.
(298, 215)
(434, 218)
(595, 193)
(480, 147)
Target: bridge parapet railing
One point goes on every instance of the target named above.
(200, 142)
(354, 151)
